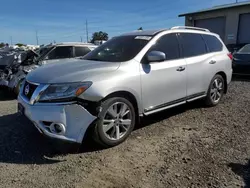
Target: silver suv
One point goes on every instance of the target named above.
(129, 76)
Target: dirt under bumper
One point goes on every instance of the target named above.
(67, 122)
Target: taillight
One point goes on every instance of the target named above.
(230, 56)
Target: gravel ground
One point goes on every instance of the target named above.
(188, 146)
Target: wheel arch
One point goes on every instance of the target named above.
(223, 74)
(120, 93)
(127, 95)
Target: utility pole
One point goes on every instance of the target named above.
(11, 40)
(81, 38)
(36, 38)
(87, 31)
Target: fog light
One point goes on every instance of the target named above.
(57, 128)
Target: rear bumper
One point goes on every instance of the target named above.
(74, 118)
(241, 69)
(229, 76)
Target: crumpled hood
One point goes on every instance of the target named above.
(73, 70)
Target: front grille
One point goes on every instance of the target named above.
(29, 89)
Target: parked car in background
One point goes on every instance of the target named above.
(241, 61)
(7, 56)
(127, 77)
(57, 52)
(13, 74)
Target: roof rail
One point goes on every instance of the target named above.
(188, 27)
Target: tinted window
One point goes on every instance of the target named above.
(192, 44)
(61, 52)
(118, 49)
(214, 45)
(169, 45)
(81, 51)
(245, 49)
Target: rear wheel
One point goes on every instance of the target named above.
(215, 91)
(116, 121)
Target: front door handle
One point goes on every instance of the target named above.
(180, 69)
(212, 62)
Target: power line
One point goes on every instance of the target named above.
(36, 38)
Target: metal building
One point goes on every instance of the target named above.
(231, 22)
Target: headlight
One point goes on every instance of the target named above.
(64, 91)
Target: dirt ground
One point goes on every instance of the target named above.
(188, 146)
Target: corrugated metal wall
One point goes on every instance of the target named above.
(216, 25)
(244, 29)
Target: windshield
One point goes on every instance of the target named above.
(43, 52)
(118, 49)
(245, 49)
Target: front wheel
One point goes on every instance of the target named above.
(116, 122)
(215, 90)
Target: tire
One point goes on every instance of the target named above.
(116, 121)
(215, 91)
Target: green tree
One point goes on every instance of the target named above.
(140, 29)
(20, 44)
(99, 36)
(2, 44)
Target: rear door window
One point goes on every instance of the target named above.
(61, 52)
(213, 44)
(192, 44)
(81, 51)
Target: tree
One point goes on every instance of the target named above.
(20, 44)
(140, 29)
(99, 36)
(2, 44)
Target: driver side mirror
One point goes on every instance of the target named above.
(156, 56)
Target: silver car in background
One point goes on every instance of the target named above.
(129, 76)
(66, 50)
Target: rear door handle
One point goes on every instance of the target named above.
(180, 69)
(212, 62)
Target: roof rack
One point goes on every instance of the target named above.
(188, 27)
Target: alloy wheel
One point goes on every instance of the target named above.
(216, 90)
(117, 121)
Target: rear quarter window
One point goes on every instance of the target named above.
(213, 43)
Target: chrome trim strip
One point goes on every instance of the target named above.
(164, 108)
(195, 98)
(38, 92)
(24, 98)
(171, 104)
(54, 103)
(32, 83)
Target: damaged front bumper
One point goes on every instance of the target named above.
(64, 121)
